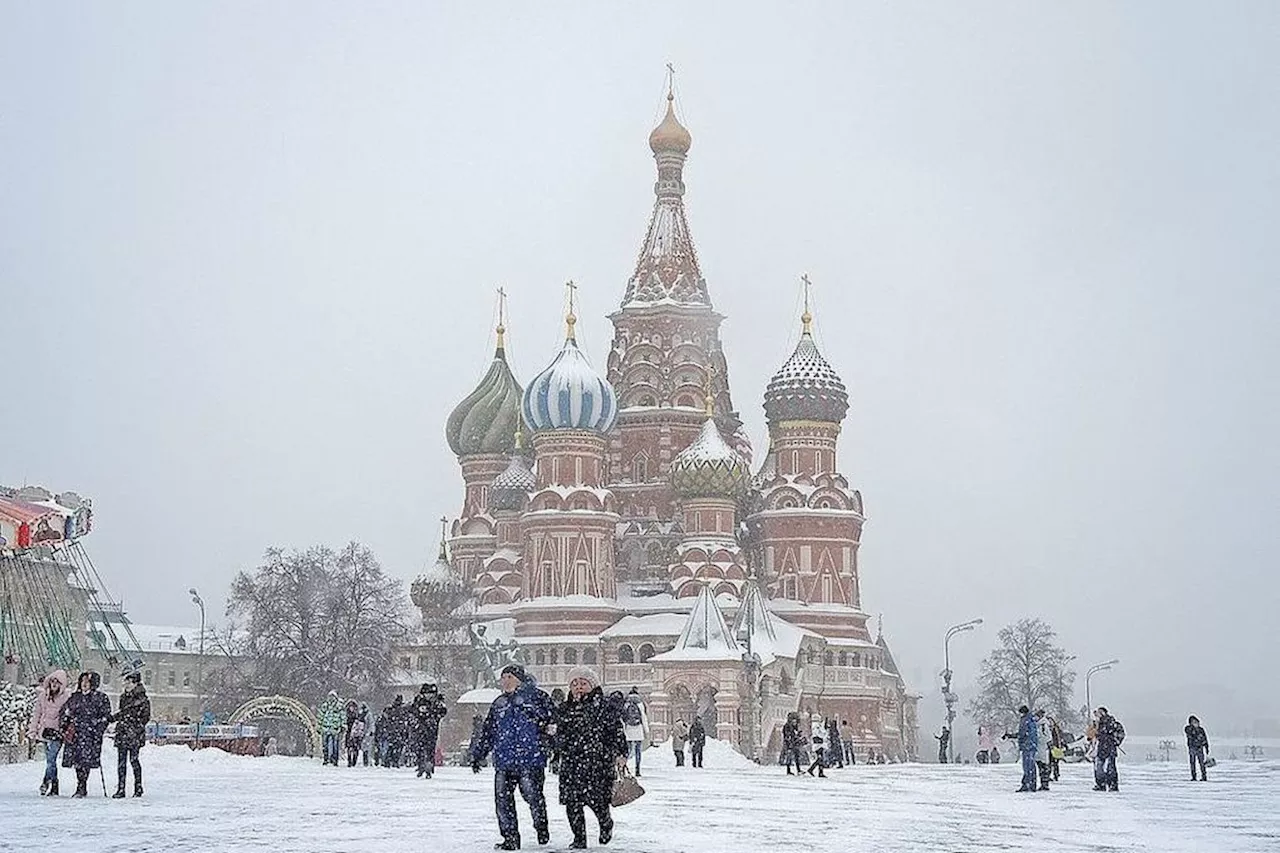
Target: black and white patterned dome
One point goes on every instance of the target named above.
(513, 485)
(806, 388)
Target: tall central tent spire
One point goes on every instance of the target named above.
(667, 269)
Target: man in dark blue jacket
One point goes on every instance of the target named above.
(514, 730)
(1028, 742)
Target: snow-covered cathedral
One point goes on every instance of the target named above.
(613, 521)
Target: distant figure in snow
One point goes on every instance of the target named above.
(944, 740)
(131, 732)
(427, 711)
(995, 754)
(1197, 747)
(557, 699)
(351, 746)
(635, 721)
(477, 726)
(817, 731)
(366, 738)
(984, 744)
(679, 737)
(592, 748)
(846, 740)
(1027, 742)
(45, 726)
(1044, 736)
(835, 747)
(793, 743)
(1110, 736)
(330, 717)
(514, 730)
(1057, 744)
(697, 740)
(395, 721)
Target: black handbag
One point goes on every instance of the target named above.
(50, 735)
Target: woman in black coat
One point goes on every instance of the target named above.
(591, 745)
(84, 723)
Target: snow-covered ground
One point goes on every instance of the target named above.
(210, 801)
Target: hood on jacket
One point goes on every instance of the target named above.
(95, 680)
(58, 677)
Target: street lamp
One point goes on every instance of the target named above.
(947, 696)
(199, 602)
(1099, 667)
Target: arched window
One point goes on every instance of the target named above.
(828, 658)
(810, 656)
(785, 682)
(857, 659)
(844, 659)
(626, 654)
(640, 468)
(589, 656)
(555, 656)
(646, 652)
(571, 656)
(540, 658)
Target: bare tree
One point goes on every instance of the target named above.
(313, 621)
(1026, 668)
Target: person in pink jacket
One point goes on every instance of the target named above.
(45, 726)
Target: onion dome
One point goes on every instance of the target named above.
(709, 467)
(670, 135)
(486, 420)
(440, 588)
(806, 387)
(569, 394)
(511, 488)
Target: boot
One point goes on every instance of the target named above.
(512, 843)
(44, 786)
(137, 785)
(578, 844)
(82, 785)
(119, 794)
(544, 835)
(606, 831)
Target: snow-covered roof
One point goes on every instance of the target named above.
(566, 602)
(650, 625)
(705, 635)
(170, 639)
(558, 640)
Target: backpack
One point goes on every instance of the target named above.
(1118, 730)
(631, 714)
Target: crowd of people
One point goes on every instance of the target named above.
(403, 735)
(73, 725)
(827, 743)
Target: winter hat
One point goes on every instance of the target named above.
(429, 687)
(135, 677)
(1023, 709)
(517, 670)
(585, 674)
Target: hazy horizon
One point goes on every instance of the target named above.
(249, 254)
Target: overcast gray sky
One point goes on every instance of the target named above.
(248, 253)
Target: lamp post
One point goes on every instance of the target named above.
(947, 696)
(1088, 676)
(199, 602)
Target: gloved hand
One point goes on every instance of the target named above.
(475, 767)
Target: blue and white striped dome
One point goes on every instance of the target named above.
(569, 394)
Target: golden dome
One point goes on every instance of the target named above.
(671, 135)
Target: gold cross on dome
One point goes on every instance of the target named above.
(502, 315)
(806, 317)
(570, 318)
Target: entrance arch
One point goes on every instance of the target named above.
(280, 708)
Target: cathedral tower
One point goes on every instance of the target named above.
(807, 523)
(666, 350)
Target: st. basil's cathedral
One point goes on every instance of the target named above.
(614, 521)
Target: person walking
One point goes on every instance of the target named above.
(514, 730)
(428, 710)
(45, 725)
(793, 743)
(679, 737)
(477, 728)
(816, 731)
(396, 721)
(84, 723)
(1057, 743)
(1197, 747)
(943, 739)
(593, 748)
(1044, 736)
(635, 721)
(1027, 742)
(131, 718)
(330, 717)
(366, 734)
(846, 739)
(697, 740)
(1110, 736)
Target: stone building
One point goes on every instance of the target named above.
(614, 520)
